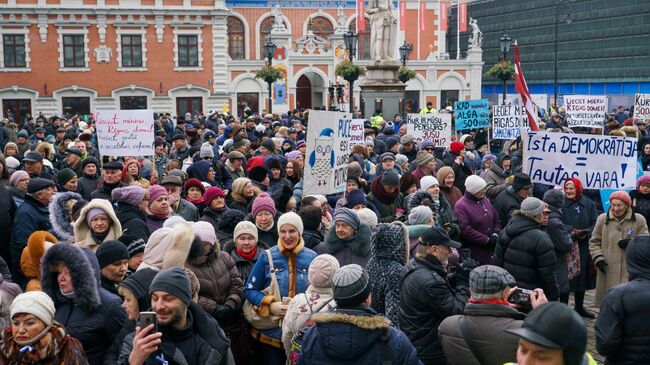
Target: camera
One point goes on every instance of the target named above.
(521, 297)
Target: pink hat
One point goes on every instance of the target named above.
(263, 202)
(205, 232)
(17, 176)
(622, 196)
(211, 193)
(155, 192)
(642, 180)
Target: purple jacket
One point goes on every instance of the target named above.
(478, 220)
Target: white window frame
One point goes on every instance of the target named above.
(24, 32)
(67, 31)
(143, 40)
(197, 32)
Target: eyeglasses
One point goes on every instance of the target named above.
(428, 149)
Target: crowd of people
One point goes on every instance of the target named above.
(432, 254)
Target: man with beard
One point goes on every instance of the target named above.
(185, 334)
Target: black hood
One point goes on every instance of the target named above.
(637, 257)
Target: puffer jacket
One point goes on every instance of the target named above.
(82, 231)
(507, 202)
(562, 243)
(354, 251)
(30, 217)
(641, 204)
(61, 221)
(134, 221)
(527, 253)
(622, 331)
(478, 220)
(389, 246)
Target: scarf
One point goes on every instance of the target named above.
(488, 301)
(99, 237)
(161, 215)
(579, 188)
(54, 347)
(382, 195)
(247, 256)
(291, 258)
(196, 201)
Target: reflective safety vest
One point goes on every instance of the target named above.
(376, 121)
(428, 111)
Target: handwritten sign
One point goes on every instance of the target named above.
(600, 162)
(508, 121)
(125, 132)
(539, 100)
(434, 127)
(642, 106)
(357, 132)
(472, 114)
(585, 110)
(328, 149)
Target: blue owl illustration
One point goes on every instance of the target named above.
(321, 160)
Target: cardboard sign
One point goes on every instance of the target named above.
(539, 100)
(125, 132)
(328, 148)
(642, 106)
(434, 127)
(585, 110)
(357, 133)
(472, 114)
(600, 162)
(508, 121)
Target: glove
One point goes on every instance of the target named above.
(462, 273)
(602, 266)
(623, 243)
(493, 240)
(224, 313)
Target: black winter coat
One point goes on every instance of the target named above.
(426, 299)
(7, 213)
(87, 184)
(460, 171)
(562, 243)
(505, 203)
(104, 190)
(133, 220)
(581, 214)
(312, 238)
(30, 217)
(641, 204)
(527, 253)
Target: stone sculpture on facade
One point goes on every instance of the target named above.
(383, 30)
(476, 39)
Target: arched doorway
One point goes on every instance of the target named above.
(303, 93)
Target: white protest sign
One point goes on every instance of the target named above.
(508, 121)
(585, 110)
(540, 100)
(434, 127)
(125, 132)
(642, 106)
(328, 148)
(357, 132)
(600, 162)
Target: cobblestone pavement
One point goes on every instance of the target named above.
(591, 336)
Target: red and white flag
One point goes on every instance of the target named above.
(421, 9)
(361, 15)
(402, 15)
(462, 16)
(524, 94)
(442, 16)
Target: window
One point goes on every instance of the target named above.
(188, 51)
(74, 51)
(265, 34)
(131, 50)
(75, 105)
(193, 105)
(133, 102)
(14, 50)
(236, 39)
(363, 51)
(321, 27)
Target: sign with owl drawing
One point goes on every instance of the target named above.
(328, 148)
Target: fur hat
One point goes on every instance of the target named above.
(322, 269)
(168, 247)
(622, 196)
(34, 302)
(245, 227)
(406, 181)
(474, 184)
(292, 219)
(205, 232)
(257, 173)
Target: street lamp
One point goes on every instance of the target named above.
(351, 40)
(566, 7)
(404, 52)
(269, 51)
(504, 44)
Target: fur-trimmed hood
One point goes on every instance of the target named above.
(83, 266)
(168, 247)
(59, 218)
(360, 244)
(30, 260)
(390, 241)
(82, 232)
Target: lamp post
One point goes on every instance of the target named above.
(567, 7)
(404, 52)
(269, 51)
(504, 44)
(351, 40)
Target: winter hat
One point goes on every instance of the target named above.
(423, 158)
(292, 219)
(622, 196)
(12, 162)
(444, 172)
(420, 215)
(110, 252)
(356, 197)
(474, 184)
(155, 192)
(488, 157)
(387, 156)
(65, 175)
(292, 155)
(532, 207)
(521, 181)
(205, 232)
(37, 184)
(391, 142)
(390, 178)
(173, 281)
(131, 195)
(428, 181)
(350, 286)
(367, 216)
(554, 198)
(354, 170)
(90, 160)
(269, 145)
(263, 202)
(348, 216)
(17, 176)
(425, 144)
(36, 303)
(406, 181)
(229, 220)
(194, 183)
(22, 133)
(400, 159)
(174, 220)
(212, 193)
(257, 174)
(138, 284)
(245, 227)
(455, 147)
(322, 269)
(94, 212)
(134, 245)
(206, 150)
(642, 180)
(407, 138)
(235, 155)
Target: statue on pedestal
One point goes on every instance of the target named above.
(383, 30)
(278, 24)
(476, 39)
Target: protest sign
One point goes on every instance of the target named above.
(508, 121)
(328, 148)
(600, 162)
(472, 114)
(357, 132)
(125, 132)
(585, 110)
(434, 127)
(642, 106)
(539, 100)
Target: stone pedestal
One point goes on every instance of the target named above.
(382, 88)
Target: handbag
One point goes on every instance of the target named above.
(572, 261)
(250, 310)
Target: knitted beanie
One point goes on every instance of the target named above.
(423, 158)
(94, 212)
(36, 303)
(554, 198)
(426, 143)
(622, 196)
(368, 216)
(155, 192)
(173, 281)
(428, 181)
(474, 184)
(263, 202)
(348, 216)
(206, 150)
(258, 173)
(238, 185)
(204, 231)
(401, 159)
(322, 269)
(455, 147)
(131, 195)
(420, 215)
(65, 175)
(134, 245)
(356, 197)
(212, 193)
(194, 183)
(111, 251)
(292, 219)
(245, 227)
(351, 286)
(17, 176)
(532, 207)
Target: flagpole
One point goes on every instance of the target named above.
(458, 30)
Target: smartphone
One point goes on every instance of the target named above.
(521, 297)
(147, 318)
